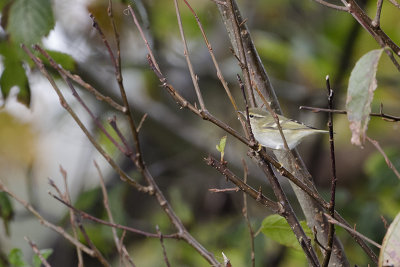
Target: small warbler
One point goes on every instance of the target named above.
(266, 130)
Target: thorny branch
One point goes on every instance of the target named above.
(372, 26)
(331, 232)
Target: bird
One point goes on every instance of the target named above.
(266, 131)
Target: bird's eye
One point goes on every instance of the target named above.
(251, 115)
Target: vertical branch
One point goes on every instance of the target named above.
(210, 50)
(331, 231)
(246, 215)
(163, 246)
(97, 253)
(118, 243)
(67, 198)
(117, 65)
(188, 62)
(240, 49)
(376, 22)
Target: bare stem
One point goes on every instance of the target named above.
(331, 232)
(188, 62)
(37, 252)
(341, 111)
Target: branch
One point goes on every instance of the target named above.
(124, 177)
(354, 232)
(37, 252)
(341, 111)
(188, 62)
(331, 232)
(388, 162)
(46, 223)
(256, 195)
(333, 6)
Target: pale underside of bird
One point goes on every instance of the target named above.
(266, 131)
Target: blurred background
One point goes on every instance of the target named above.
(300, 42)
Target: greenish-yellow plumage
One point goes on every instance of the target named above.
(266, 131)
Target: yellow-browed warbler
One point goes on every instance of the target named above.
(266, 130)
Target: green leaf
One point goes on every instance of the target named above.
(390, 253)
(30, 20)
(14, 75)
(36, 261)
(362, 84)
(221, 147)
(277, 228)
(6, 210)
(15, 258)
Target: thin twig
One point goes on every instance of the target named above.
(46, 223)
(163, 246)
(37, 252)
(72, 220)
(144, 38)
(99, 96)
(388, 162)
(87, 216)
(188, 62)
(120, 246)
(394, 2)
(286, 211)
(239, 183)
(241, 51)
(324, 3)
(224, 190)
(351, 230)
(246, 215)
(118, 75)
(64, 104)
(331, 231)
(210, 50)
(376, 22)
(141, 122)
(97, 254)
(390, 118)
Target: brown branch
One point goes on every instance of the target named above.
(331, 232)
(237, 32)
(87, 216)
(118, 74)
(394, 2)
(37, 252)
(122, 251)
(124, 177)
(377, 33)
(46, 223)
(163, 246)
(224, 190)
(216, 164)
(387, 160)
(97, 253)
(188, 62)
(333, 6)
(286, 211)
(149, 50)
(376, 22)
(214, 60)
(352, 231)
(341, 111)
(67, 198)
(246, 216)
